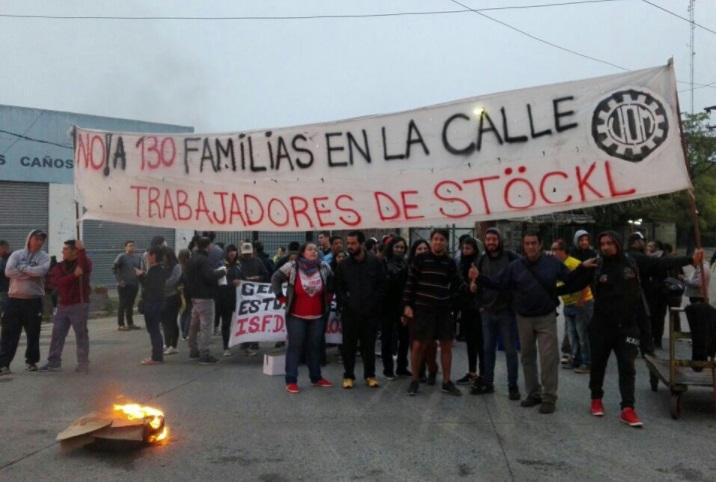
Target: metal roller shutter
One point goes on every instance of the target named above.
(105, 240)
(25, 207)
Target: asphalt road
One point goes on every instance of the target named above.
(232, 422)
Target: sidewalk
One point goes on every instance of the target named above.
(231, 422)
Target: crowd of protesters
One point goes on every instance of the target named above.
(419, 299)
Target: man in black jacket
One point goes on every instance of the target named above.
(203, 280)
(620, 321)
(360, 288)
(650, 268)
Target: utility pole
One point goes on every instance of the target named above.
(692, 6)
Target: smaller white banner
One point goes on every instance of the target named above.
(260, 317)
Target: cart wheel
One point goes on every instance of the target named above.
(654, 382)
(675, 405)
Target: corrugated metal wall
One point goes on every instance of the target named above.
(24, 207)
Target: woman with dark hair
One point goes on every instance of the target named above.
(394, 334)
(227, 294)
(470, 315)
(153, 283)
(431, 352)
(172, 302)
(308, 302)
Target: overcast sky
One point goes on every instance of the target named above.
(237, 74)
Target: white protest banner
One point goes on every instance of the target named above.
(260, 317)
(525, 152)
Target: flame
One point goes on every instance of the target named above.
(153, 416)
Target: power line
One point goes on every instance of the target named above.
(678, 16)
(32, 139)
(303, 17)
(540, 39)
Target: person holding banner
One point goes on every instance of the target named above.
(308, 302)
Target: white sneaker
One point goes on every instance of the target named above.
(227, 353)
(249, 352)
(171, 351)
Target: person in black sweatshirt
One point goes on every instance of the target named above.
(153, 283)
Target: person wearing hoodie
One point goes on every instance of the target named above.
(581, 251)
(26, 268)
(498, 317)
(227, 294)
(393, 333)
(71, 278)
(620, 321)
(470, 320)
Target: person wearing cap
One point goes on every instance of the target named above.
(652, 267)
(71, 277)
(26, 268)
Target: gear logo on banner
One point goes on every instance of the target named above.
(630, 124)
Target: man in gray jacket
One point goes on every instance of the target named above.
(127, 285)
(26, 268)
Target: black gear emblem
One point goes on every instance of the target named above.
(630, 125)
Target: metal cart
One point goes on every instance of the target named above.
(676, 373)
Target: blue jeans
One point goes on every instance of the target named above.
(304, 333)
(494, 324)
(153, 320)
(577, 321)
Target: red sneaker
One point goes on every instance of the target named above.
(292, 388)
(597, 407)
(629, 417)
(323, 383)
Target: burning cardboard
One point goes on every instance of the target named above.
(130, 423)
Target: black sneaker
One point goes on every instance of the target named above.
(466, 380)
(194, 355)
(450, 388)
(547, 407)
(431, 378)
(482, 389)
(389, 376)
(82, 369)
(403, 373)
(208, 360)
(413, 388)
(514, 393)
(5, 371)
(31, 367)
(531, 402)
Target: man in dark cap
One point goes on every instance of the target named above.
(26, 268)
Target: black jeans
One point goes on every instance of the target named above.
(225, 305)
(474, 340)
(355, 328)
(170, 324)
(394, 336)
(602, 343)
(19, 314)
(127, 296)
